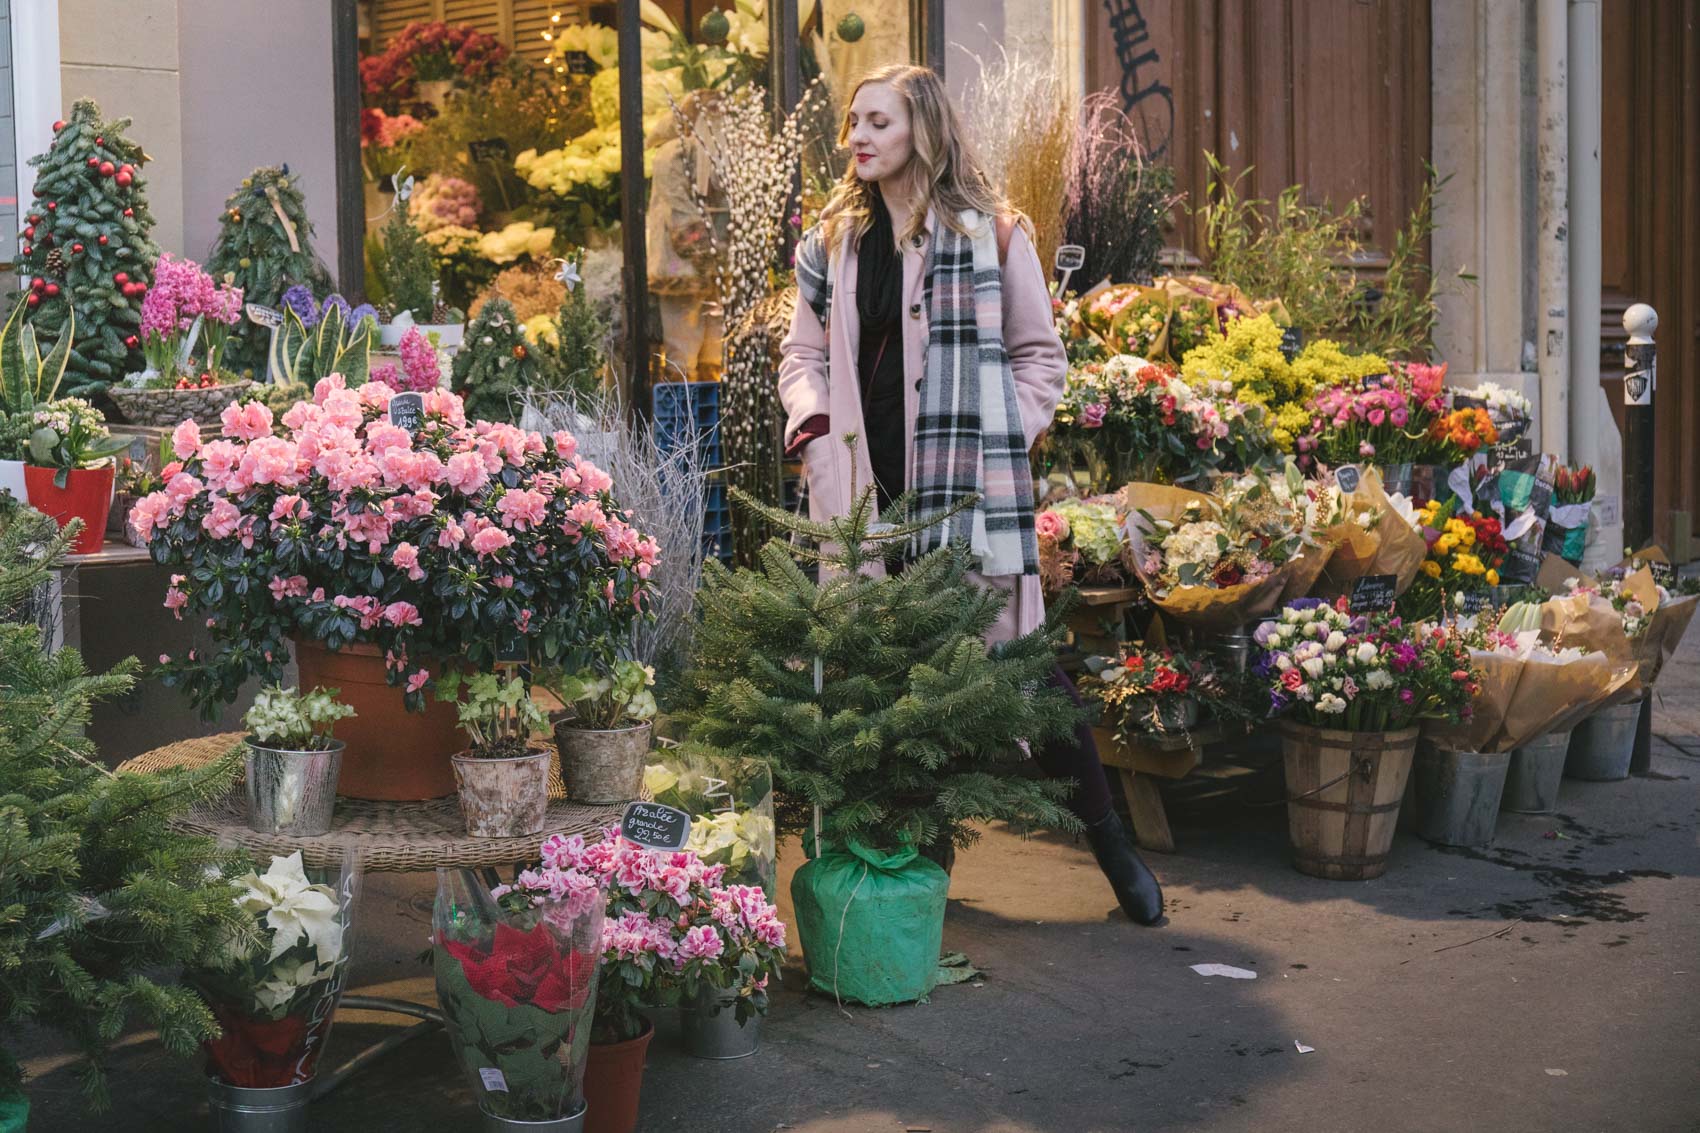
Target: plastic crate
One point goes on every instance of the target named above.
(684, 409)
(792, 493)
(717, 523)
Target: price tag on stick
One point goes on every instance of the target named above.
(656, 826)
(407, 411)
(1348, 477)
(1374, 593)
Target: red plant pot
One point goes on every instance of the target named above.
(613, 1083)
(87, 496)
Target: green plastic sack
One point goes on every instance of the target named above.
(871, 923)
(14, 1111)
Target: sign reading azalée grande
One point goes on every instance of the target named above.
(656, 826)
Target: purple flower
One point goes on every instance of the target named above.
(1406, 696)
(1092, 417)
(300, 300)
(361, 313)
(1404, 655)
(339, 303)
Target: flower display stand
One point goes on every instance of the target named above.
(1098, 625)
(1144, 761)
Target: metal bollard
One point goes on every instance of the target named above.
(1640, 379)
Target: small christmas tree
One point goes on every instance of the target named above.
(875, 699)
(98, 893)
(408, 270)
(85, 234)
(574, 359)
(265, 247)
(495, 364)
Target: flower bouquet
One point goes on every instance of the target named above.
(1566, 532)
(730, 802)
(1465, 551)
(276, 990)
(1152, 692)
(1461, 433)
(1625, 612)
(1371, 533)
(1080, 543)
(516, 974)
(1509, 410)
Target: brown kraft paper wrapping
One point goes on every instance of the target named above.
(1498, 686)
(1204, 606)
(1555, 696)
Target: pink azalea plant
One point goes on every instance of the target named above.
(470, 540)
(671, 926)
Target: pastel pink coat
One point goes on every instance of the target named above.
(817, 377)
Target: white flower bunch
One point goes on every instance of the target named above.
(289, 720)
(303, 923)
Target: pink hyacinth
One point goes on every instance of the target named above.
(419, 361)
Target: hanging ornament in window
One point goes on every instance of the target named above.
(851, 28)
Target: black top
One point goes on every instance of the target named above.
(879, 361)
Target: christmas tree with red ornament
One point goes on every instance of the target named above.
(85, 245)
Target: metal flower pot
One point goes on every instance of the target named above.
(1603, 746)
(1537, 769)
(503, 798)
(238, 1109)
(292, 792)
(1455, 794)
(711, 1028)
(572, 1123)
(602, 766)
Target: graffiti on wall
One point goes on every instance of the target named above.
(1145, 95)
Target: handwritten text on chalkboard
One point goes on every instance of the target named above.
(656, 826)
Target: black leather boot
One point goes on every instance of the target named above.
(1136, 887)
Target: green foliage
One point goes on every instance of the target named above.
(291, 720)
(254, 251)
(28, 379)
(409, 270)
(302, 355)
(88, 206)
(1401, 323)
(575, 361)
(98, 893)
(495, 365)
(913, 733)
(499, 715)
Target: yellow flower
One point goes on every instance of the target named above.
(1492, 577)
(1431, 568)
(1446, 542)
(1467, 564)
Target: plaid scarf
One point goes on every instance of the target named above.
(968, 435)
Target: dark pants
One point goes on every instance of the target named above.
(1076, 757)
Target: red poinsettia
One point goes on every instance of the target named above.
(264, 1053)
(532, 967)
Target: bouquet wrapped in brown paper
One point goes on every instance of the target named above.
(1627, 611)
(1373, 534)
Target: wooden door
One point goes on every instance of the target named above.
(1331, 94)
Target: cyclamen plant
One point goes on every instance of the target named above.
(466, 540)
(1365, 673)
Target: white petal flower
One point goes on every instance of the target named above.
(294, 908)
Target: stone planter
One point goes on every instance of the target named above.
(602, 766)
(503, 798)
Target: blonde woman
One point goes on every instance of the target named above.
(924, 327)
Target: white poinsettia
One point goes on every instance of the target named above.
(294, 908)
(287, 978)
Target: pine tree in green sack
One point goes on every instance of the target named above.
(99, 895)
(495, 365)
(85, 244)
(908, 736)
(265, 247)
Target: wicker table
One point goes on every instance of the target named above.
(388, 837)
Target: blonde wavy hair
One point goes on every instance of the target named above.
(947, 177)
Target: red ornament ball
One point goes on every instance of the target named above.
(34, 218)
(107, 169)
(131, 342)
(129, 212)
(37, 283)
(52, 205)
(124, 180)
(29, 231)
(76, 248)
(52, 290)
(120, 277)
(102, 241)
(59, 125)
(100, 141)
(28, 249)
(94, 163)
(126, 168)
(34, 300)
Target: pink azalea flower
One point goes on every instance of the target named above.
(417, 680)
(403, 614)
(701, 942)
(522, 508)
(490, 540)
(221, 521)
(247, 421)
(186, 439)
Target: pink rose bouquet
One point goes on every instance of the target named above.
(471, 540)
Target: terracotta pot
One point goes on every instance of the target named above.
(503, 798)
(87, 495)
(393, 754)
(602, 766)
(613, 1080)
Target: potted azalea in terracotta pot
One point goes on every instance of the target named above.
(385, 549)
(503, 778)
(605, 743)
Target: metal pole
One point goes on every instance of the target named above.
(1552, 218)
(1640, 381)
(345, 133)
(634, 272)
(926, 33)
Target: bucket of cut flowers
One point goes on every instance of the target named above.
(293, 760)
(385, 554)
(274, 993)
(503, 778)
(1351, 691)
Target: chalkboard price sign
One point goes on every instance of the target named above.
(656, 826)
(489, 149)
(1292, 341)
(1348, 477)
(407, 411)
(1663, 573)
(263, 316)
(1374, 593)
(579, 63)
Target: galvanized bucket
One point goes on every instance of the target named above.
(1603, 745)
(1455, 794)
(292, 792)
(1537, 768)
(572, 1123)
(236, 1109)
(711, 1028)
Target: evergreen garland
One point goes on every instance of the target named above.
(913, 733)
(98, 893)
(254, 251)
(495, 365)
(85, 234)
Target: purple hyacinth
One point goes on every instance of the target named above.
(300, 300)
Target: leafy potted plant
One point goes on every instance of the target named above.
(1351, 691)
(1149, 692)
(384, 557)
(724, 976)
(26, 381)
(604, 743)
(503, 778)
(410, 277)
(317, 340)
(293, 760)
(69, 474)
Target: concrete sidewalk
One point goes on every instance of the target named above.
(1551, 981)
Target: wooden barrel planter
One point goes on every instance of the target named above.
(1343, 795)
